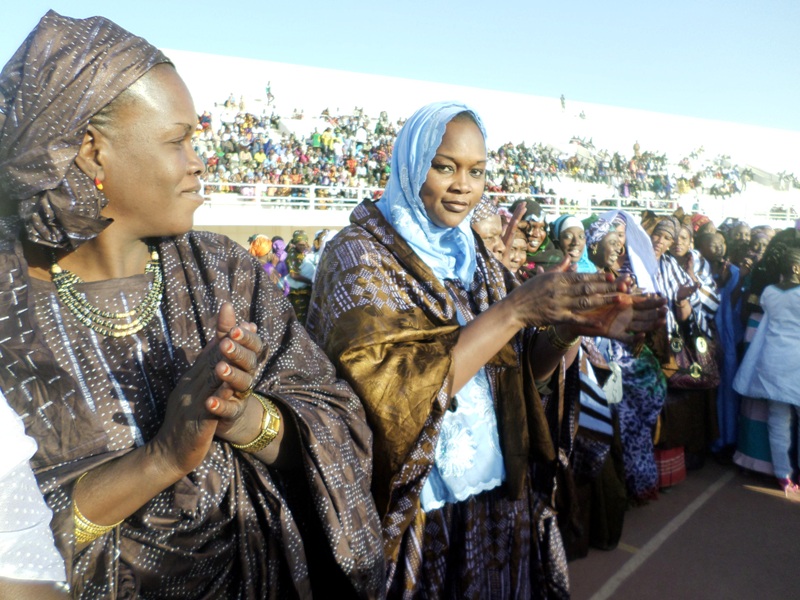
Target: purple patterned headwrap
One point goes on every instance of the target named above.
(64, 73)
(597, 231)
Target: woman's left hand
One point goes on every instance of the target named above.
(239, 413)
(628, 319)
(508, 234)
(686, 291)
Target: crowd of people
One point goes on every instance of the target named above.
(713, 383)
(426, 404)
(353, 151)
(662, 418)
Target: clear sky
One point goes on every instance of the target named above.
(729, 60)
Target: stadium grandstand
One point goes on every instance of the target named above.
(289, 146)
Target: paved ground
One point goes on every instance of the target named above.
(721, 534)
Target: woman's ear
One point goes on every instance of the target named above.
(91, 153)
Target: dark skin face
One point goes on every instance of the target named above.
(605, 253)
(491, 232)
(740, 233)
(572, 242)
(536, 235)
(682, 245)
(457, 176)
(517, 255)
(662, 241)
(712, 248)
(145, 159)
(758, 244)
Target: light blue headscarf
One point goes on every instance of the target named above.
(597, 231)
(449, 252)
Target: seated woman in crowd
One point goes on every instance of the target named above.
(444, 348)
(182, 454)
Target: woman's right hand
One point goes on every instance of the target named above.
(560, 296)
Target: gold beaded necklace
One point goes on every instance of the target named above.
(104, 322)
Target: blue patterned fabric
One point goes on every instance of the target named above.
(449, 252)
(644, 390)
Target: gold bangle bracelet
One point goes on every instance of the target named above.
(270, 426)
(85, 530)
(557, 342)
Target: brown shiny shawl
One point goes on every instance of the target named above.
(62, 75)
(389, 326)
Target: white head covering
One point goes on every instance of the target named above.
(639, 250)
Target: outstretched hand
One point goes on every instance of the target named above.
(591, 304)
(563, 297)
(627, 319)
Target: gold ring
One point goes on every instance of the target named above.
(244, 394)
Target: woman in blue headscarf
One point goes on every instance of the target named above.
(443, 348)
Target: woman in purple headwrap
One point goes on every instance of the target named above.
(279, 248)
(193, 441)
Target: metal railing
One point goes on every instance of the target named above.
(276, 195)
(271, 196)
(316, 197)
